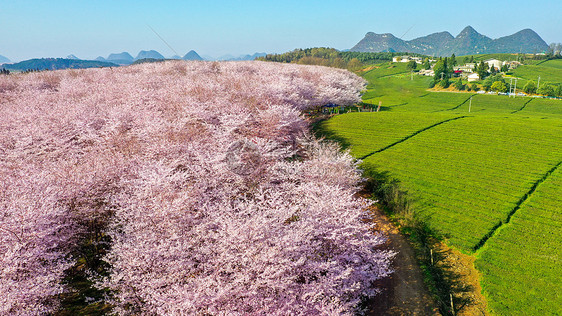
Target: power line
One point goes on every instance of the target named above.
(411, 27)
(162, 39)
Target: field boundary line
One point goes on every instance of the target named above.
(390, 75)
(522, 200)
(524, 105)
(458, 106)
(396, 74)
(405, 72)
(365, 99)
(410, 136)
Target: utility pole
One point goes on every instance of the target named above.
(431, 253)
(470, 104)
(538, 83)
(515, 89)
(510, 86)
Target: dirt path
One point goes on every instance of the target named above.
(467, 277)
(404, 292)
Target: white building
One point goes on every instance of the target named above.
(405, 59)
(494, 62)
(428, 72)
(473, 77)
(512, 64)
(417, 59)
(466, 68)
(400, 59)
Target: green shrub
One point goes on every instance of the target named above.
(547, 90)
(530, 87)
(459, 85)
(499, 86)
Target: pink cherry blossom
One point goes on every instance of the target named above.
(216, 197)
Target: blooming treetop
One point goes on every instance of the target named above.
(216, 198)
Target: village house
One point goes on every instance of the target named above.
(469, 68)
(417, 59)
(405, 59)
(457, 73)
(428, 72)
(512, 64)
(494, 62)
(473, 77)
(400, 59)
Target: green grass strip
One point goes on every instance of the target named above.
(410, 136)
(524, 105)
(522, 200)
(458, 106)
(393, 106)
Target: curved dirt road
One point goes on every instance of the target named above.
(404, 292)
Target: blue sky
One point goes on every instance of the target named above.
(88, 29)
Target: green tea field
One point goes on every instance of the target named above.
(489, 180)
(549, 71)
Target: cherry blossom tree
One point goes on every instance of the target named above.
(216, 197)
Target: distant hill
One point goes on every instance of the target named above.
(99, 58)
(249, 57)
(386, 42)
(468, 42)
(56, 63)
(123, 58)
(4, 59)
(152, 54)
(225, 57)
(192, 55)
(239, 57)
(433, 42)
(72, 56)
(527, 40)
